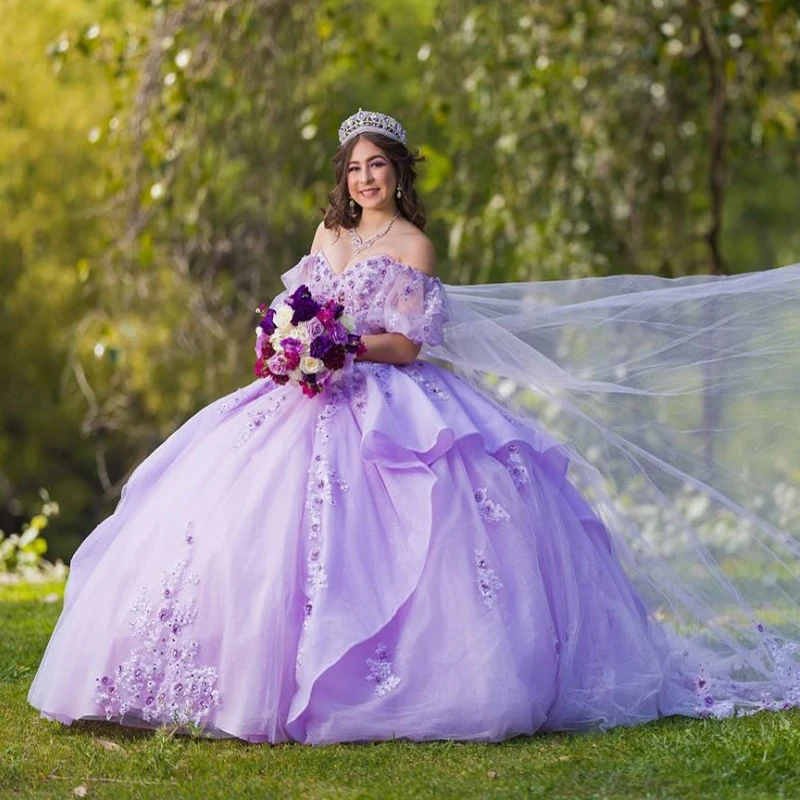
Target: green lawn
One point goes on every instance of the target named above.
(754, 757)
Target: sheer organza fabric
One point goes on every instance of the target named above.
(679, 403)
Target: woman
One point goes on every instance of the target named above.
(404, 556)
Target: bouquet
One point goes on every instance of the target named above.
(305, 341)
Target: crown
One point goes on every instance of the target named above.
(373, 122)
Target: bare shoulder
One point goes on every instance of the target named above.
(322, 238)
(419, 252)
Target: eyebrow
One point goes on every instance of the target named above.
(377, 155)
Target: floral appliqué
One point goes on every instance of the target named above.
(419, 374)
(489, 510)
(515, 465)
(258, 416)
(488, 582)
(322, 479)
(327, 413)
(160, 679)
(380, 671)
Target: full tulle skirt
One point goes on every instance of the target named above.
(396, 557)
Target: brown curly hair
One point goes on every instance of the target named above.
(337, 215)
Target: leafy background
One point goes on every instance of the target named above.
(163, 162)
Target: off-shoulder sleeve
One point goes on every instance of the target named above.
(291, 279)
(410, 302)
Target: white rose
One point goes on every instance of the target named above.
(302, 334)
(283, 317)
(295, 374)
(348, 321)
(311, 365)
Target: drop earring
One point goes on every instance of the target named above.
(352, 207)
(398, 193)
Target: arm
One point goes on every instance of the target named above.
(394, 348)
(389, 348)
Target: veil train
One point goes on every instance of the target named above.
(678, 401)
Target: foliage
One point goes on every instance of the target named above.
(22, 554)
(167, 160)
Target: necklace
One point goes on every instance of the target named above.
(360, 244)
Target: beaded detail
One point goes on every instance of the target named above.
(316, 571)
(160, 678)
(489, 510)
(382, 294)
(320, 491)
(380, 671)
(258, 416)
(488, 582)
(381, 375)
(419, 374)
(231, 402)
(515, 465)
(322, 430)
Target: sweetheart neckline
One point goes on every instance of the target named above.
(336, 274)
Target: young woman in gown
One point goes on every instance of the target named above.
(400, 556)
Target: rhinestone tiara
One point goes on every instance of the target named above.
(371, 121)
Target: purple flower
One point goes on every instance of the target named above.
(292, 346)
(708, 700)
(339, 333)
(315, 328)
(268, 324)
(304, 305)
(321, 345)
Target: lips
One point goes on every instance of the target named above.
(369, 192)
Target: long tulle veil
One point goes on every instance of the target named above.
(677, 403)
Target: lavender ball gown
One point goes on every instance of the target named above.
(397, 557)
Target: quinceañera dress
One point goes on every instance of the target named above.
(412, 554)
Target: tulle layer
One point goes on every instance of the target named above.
(398, 557)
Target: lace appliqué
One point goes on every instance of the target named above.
(381, 374)
(322, 479)
(488, 582)
(231, 402)
(258, 417)
(515, 465)
(489, 510)
(320, 491)
(316, 571)
(160, 678)
(419, 374)
(322, 429)
(380, 671)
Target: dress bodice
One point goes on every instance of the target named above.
(381, 294)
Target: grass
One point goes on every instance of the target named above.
(753, 757)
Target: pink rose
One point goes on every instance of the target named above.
(278, 364)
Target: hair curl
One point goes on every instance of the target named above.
(337, 215)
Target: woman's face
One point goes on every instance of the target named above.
(371, 177)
